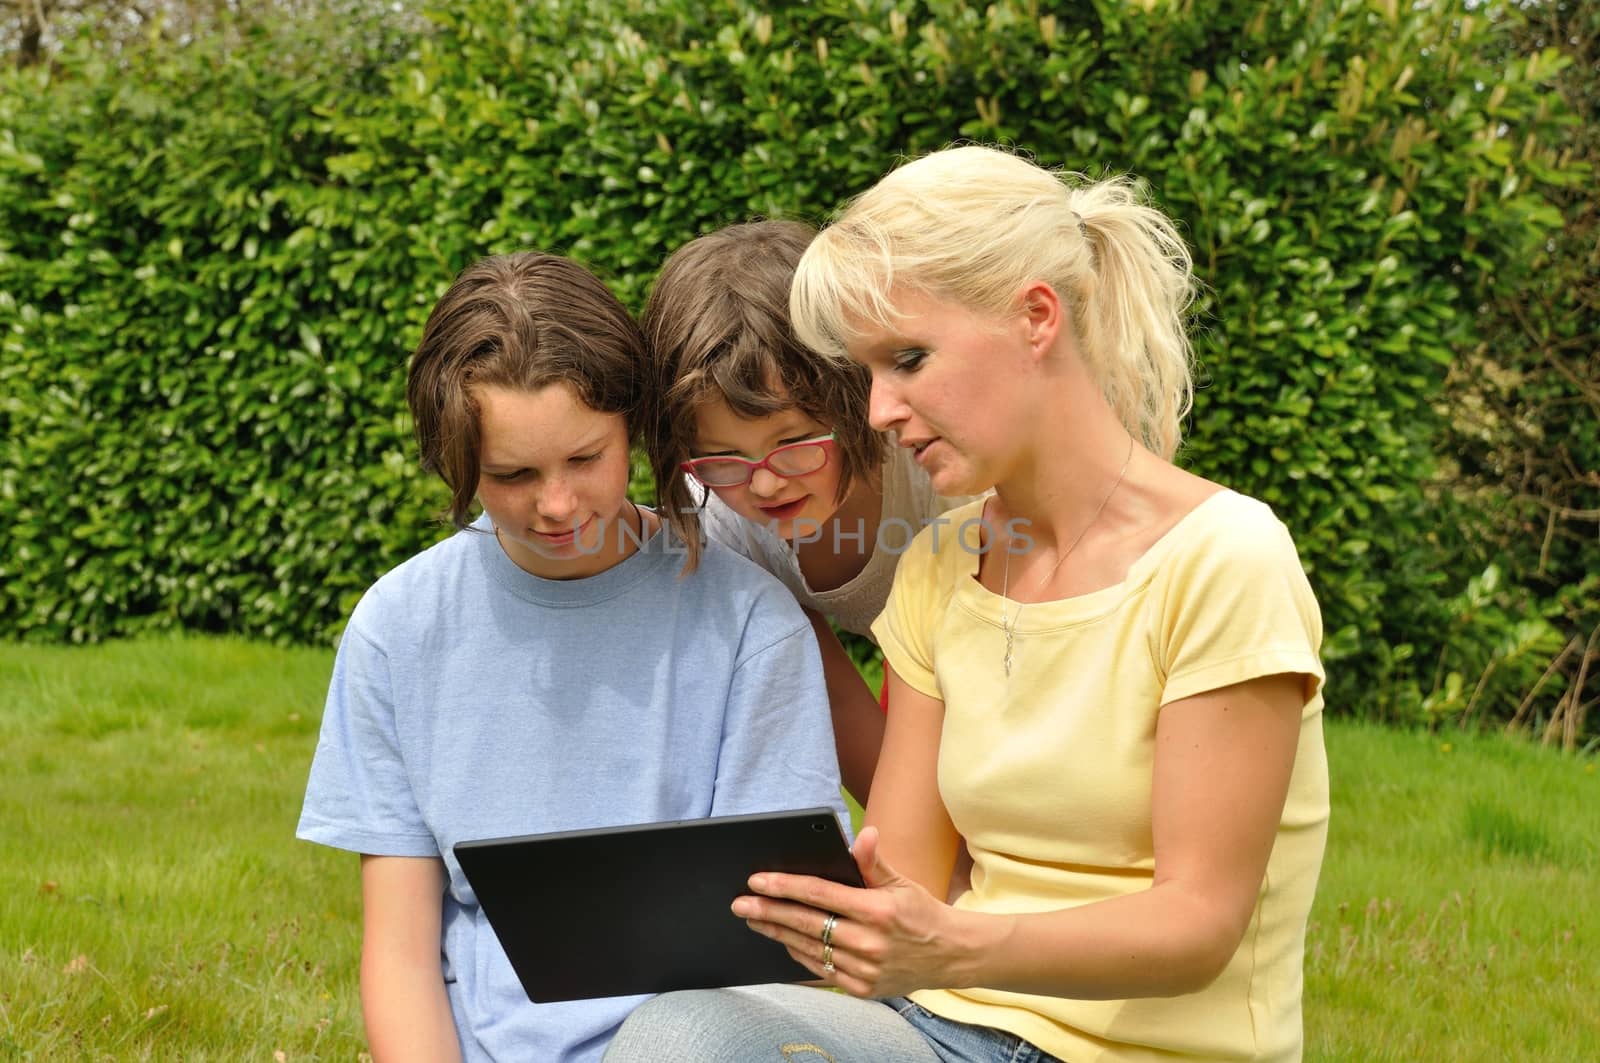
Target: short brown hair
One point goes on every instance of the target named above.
(716, 326)
(522, 321)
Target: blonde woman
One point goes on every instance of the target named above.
(1110, 687)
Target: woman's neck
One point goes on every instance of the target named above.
(1062, 470)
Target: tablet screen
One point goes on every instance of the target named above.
(620, 911)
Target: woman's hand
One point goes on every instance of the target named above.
(887, 940)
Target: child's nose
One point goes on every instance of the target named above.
(765, 482)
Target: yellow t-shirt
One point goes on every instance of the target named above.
(1047, 775)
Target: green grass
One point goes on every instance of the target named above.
(153, 901)
(154, 904)
(1456, 917)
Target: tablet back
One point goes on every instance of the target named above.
(645, 909)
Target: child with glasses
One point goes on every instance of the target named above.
(765, 447)
(543, 669)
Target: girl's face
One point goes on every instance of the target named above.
(795, 506)
(553, 476)
(950, 384)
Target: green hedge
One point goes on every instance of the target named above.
(1523, 453)
(213, 264)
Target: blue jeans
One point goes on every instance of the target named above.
(960, 1042)
(796, 1024)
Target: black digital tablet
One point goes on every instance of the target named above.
(645, 909)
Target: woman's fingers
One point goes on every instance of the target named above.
(849, 971)
(874, 872)
(850, 946)
(822, 895)
(803, 931)
(880, 939)
(816, 893)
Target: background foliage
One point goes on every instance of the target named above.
(214, 260)
(37, 31)
(1522, 403)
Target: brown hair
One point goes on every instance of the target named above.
(522, 321)
(717, 327)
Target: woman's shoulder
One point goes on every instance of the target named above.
(948, 547)
(1229, 516)
(1225, 529)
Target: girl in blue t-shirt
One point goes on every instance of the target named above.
(543, 669)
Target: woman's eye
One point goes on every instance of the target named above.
(508, 477)
(909, 360)
(585, 459)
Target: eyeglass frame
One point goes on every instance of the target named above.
(826, 443)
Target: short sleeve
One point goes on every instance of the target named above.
(359, 797)
(905, 628)
(1237, 607)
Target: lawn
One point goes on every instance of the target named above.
(154, 905)
(1456, 916)
(153, 901)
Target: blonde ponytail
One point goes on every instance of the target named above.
(1129, 308)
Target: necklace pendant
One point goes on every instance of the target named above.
(1008, 654)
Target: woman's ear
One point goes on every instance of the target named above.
(1042, 316)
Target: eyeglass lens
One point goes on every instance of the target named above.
(796, 459)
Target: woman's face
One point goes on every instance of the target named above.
(793, 505)
(950, 385)
(553, 476)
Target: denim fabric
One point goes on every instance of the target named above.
(959, 1042)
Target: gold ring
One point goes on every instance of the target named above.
(827, 928)
(827, 959)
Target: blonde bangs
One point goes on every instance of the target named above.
(841, 287)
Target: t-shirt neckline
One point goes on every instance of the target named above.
(1079, 608)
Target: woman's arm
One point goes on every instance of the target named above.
(403, 998)
(906, 806)
(857, 717)
(1222, 767)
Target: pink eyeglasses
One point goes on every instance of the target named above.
(791, 459)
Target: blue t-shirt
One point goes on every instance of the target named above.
(470, 699)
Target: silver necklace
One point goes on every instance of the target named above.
(1008, 624)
